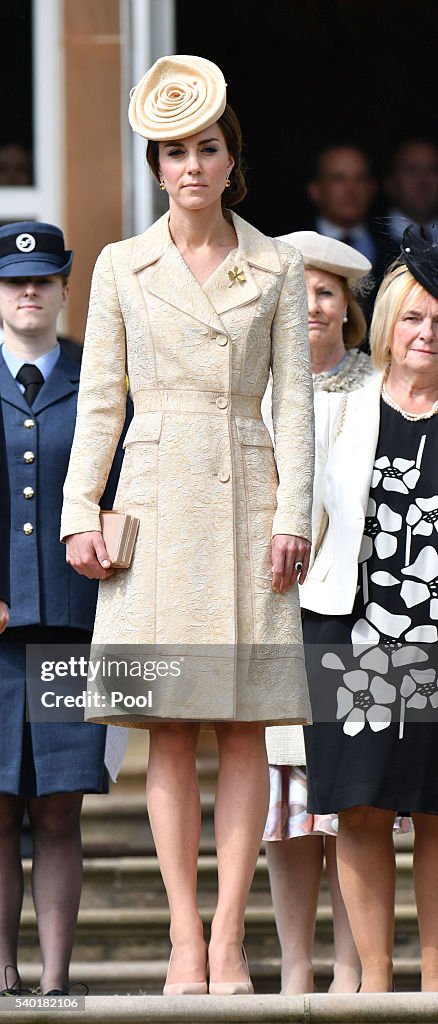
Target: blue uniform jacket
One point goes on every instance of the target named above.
(4, 517)
(44, 589)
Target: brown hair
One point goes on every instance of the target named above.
(231, 130)
(354, 331)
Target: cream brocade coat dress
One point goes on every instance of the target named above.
(199, 470)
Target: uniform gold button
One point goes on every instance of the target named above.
(29, 456)
(222, 339)
(29, 424)
(28, 492)
(223, 476)
(221, 402)
(28, 528)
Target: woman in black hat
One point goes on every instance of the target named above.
(371, 621)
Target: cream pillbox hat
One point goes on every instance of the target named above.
(177, 97)
(329, 254)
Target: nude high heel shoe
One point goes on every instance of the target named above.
(184, 988)
(233, 988)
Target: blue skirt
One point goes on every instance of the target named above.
(40, 758)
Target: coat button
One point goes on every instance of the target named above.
(28, 528)
(28, 492)
(29, 424)
(29, 456)
(222, 402)
(223, 476)
(222, 339)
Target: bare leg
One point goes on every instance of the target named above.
(295, 867)
(366, 865)
(11, 885)
(426, 893)
(173, 800)
(347, 969)
(56, 880)
(242, 800)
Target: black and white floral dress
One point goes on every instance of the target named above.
(374, 674)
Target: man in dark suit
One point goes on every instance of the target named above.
(342, 189)
(411, 185)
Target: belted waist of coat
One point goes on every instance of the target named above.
(162, 399)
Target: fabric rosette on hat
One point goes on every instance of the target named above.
(177, 97)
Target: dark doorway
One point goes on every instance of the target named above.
(16, 73)
(302, 73)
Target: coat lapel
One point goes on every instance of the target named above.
(163, 272)
(62, 381)
(10, 392)
(170, 280)
(254, 251)
(358, 440)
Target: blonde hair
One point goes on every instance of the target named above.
(394, 290)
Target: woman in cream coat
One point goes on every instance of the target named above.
(197, 309)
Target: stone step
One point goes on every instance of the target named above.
(118, 825)
(120, 933)
(137, 977)
(262, 1009)
(136, 881)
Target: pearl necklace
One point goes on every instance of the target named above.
(412, 416)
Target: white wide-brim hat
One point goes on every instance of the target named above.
(329, 254)
(177, 97)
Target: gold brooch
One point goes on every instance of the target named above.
(236, 275)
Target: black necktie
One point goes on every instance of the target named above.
(31, 377)
(348, 240)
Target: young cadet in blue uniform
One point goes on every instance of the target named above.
(4, 529)
(44, 766)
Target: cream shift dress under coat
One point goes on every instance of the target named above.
(199, 469)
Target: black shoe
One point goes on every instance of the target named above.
(15, 988)
(68, 990)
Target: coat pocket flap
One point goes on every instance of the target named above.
(146, 426)
(253, 432)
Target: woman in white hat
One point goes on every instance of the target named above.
(200, 306)
(337, 327)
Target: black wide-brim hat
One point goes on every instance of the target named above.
(30, 248)
(419, 251)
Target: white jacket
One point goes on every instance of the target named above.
(346, 434)
(346, 439)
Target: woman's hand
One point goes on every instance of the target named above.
(286, 551)
(86, 552)
(4, 616)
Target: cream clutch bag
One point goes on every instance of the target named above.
(119, 531)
